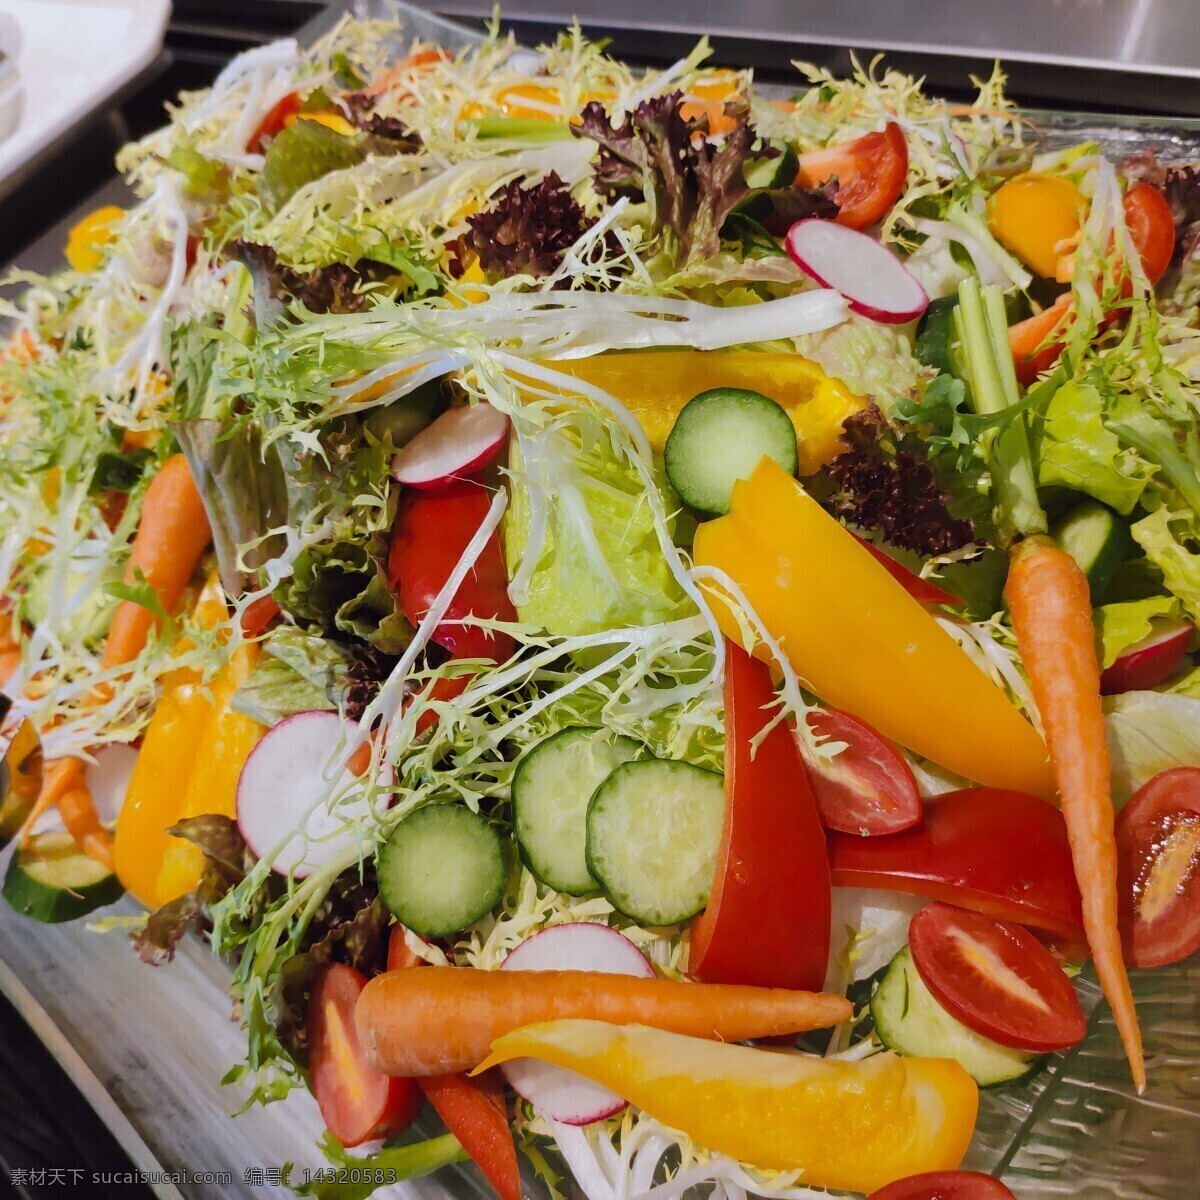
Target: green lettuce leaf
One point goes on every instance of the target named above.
(244, 493)
(1119, 626)
(1160, 536)
(297, 672)
(1077, 451)
(1149, 732)
(601, 565)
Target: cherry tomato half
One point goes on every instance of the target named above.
(1152, 227)
(945, 1185)
(357, 1102)
(993, 851)
(996, 978)
(1158, 860)
(865, 789)
(870, 173)
(431, 532)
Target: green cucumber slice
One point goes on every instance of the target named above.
(910, 1021)
(52, 880)
(551, 788)
(653, 833)
(1097, 539)
(719, 437)
(441, 870)
(779, 171)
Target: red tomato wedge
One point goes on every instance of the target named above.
(472, 1109)
(1001, 853)
(945, 1185)
(767, 922)
(870, 173)
(276, 118)
(996, 978)
(431, 532)
(922, 590)
(1158, 862)
(357, 1102)
(1152, 227)
(865, 789)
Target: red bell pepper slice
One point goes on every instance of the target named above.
(431, 532)
(471, 1108)
(767, 922)
(998, 852)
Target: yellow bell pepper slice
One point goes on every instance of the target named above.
(846, 1125)
(655, 385)
(331, 120)
(1038, 218)
(189, 763)
(87, 237)
(860, 641)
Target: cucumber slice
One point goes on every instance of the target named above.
(910, 1021)
(719, 437)
(551, 788)
(779, 171)
(441, 870)
(1097, 539)
(51, 880)
(653, 832)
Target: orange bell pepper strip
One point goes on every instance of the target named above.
(846, 1125)
(860, 641)
(191, 757)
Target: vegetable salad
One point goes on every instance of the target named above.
(656, 618)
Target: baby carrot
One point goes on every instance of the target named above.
(435, 1020)
(1051, 611)
(78, 812)
(172, 534)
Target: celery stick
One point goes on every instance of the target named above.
(983, 333)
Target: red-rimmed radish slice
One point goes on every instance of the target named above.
(873, 280)
(1147, 663)
(282, 788)
(923, 591)
(996, 978)
(460, 441)
(865, 789)
(945, 1185)
(585, 946)
(1158, 858)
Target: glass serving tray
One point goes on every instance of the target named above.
(148, 1047)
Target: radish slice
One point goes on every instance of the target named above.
(1149, 662)
(460, 441)
(873, 280)
(281, 788)
(557, 1094)
(108, 778)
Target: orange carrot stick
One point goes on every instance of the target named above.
(78, 811)
(437, 1020)
(172, 534)
(1052, 616)
(60, 775)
